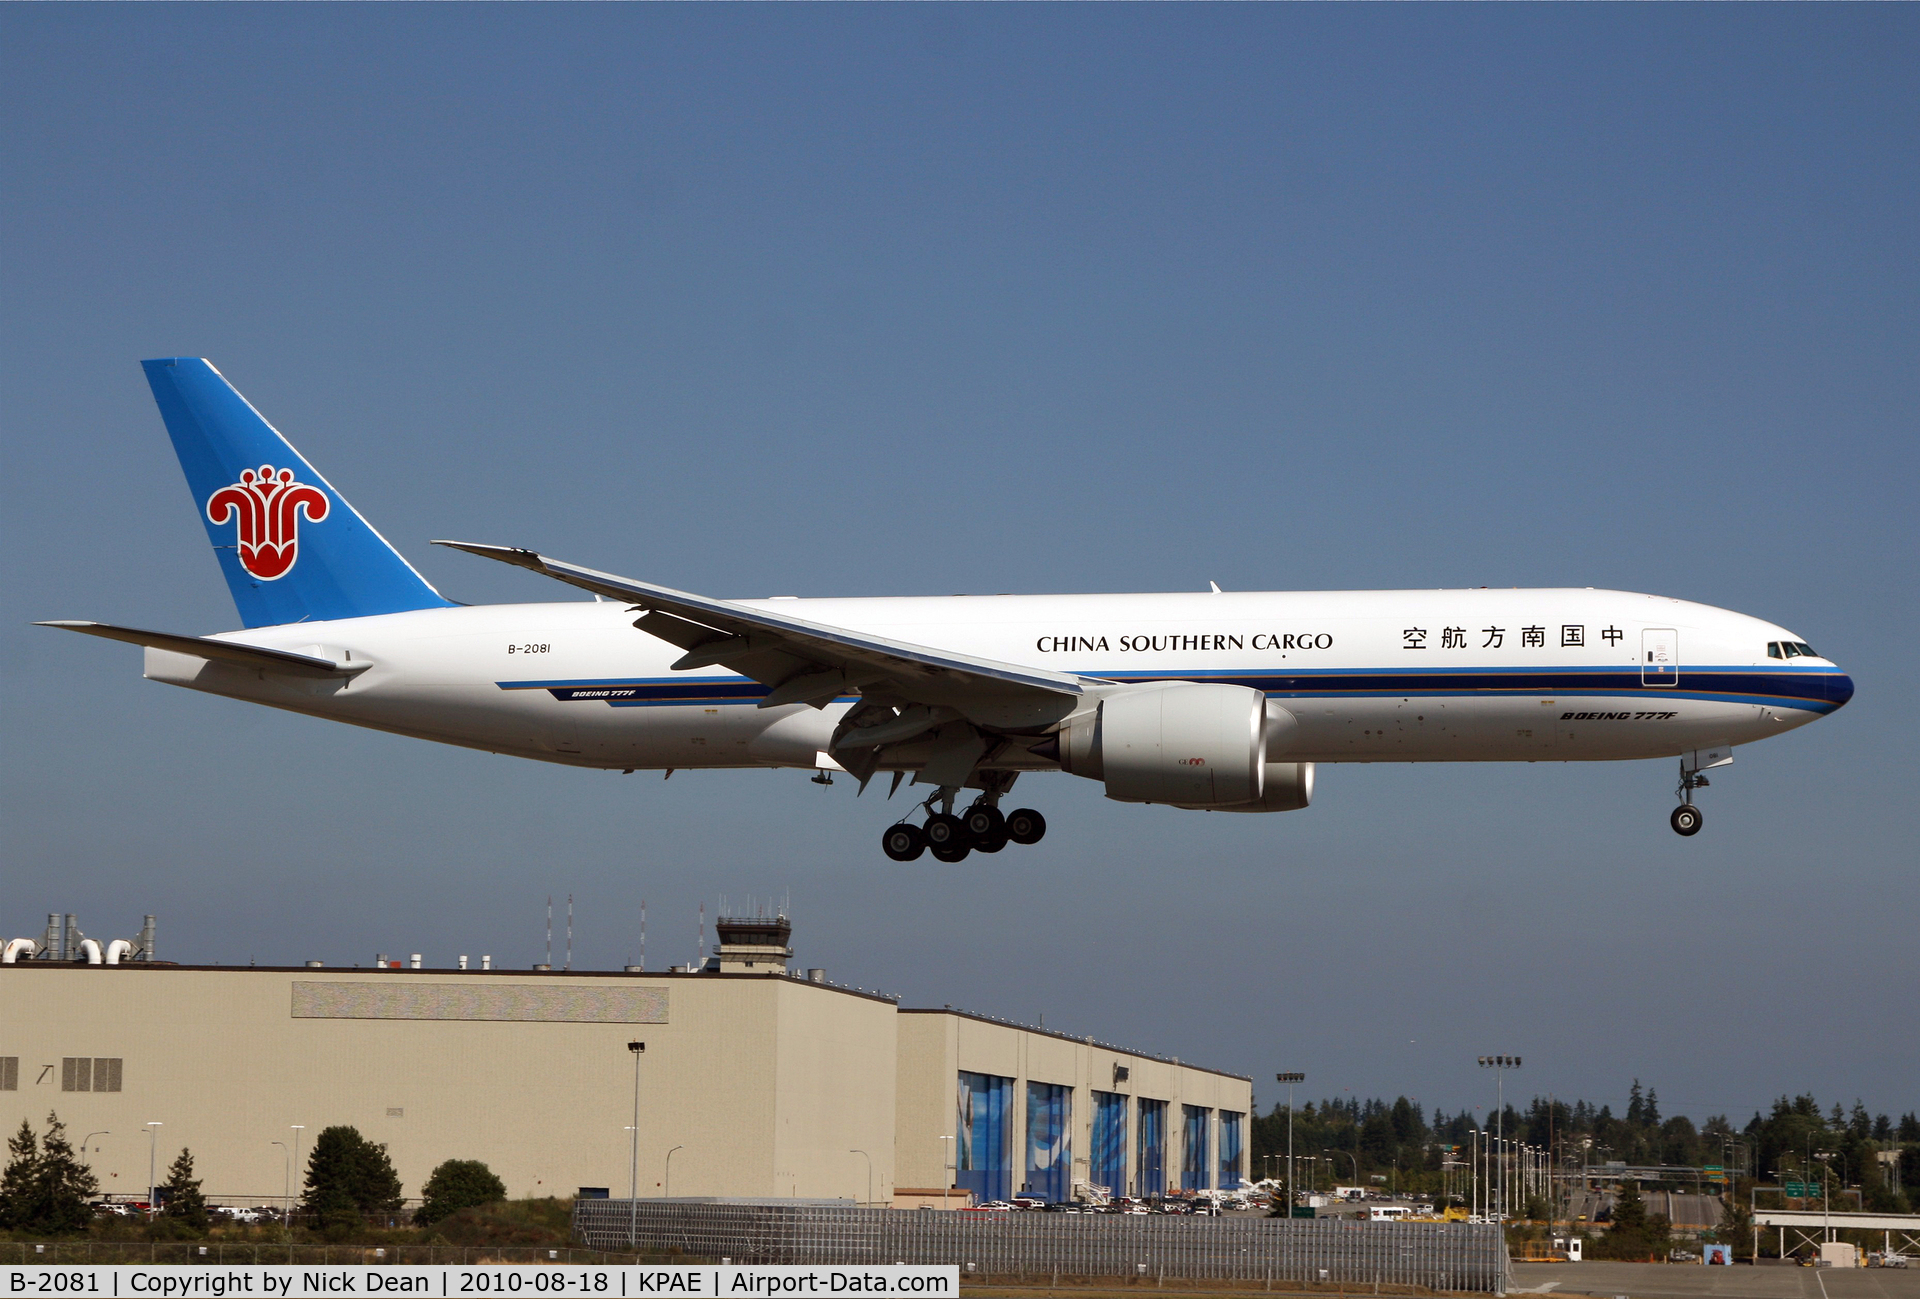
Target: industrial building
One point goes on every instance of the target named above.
(754, 1082)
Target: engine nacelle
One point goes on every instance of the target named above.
(1289, 787)
(1192, 744)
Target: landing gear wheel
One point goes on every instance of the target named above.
(992, 843)
(1024, 825)
(944, 831)
(983, 822)
(1686, 819)
(952, 852)
(903, 842)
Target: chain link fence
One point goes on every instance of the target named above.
(1431, 1255)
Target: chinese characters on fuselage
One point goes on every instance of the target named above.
(1572, 636)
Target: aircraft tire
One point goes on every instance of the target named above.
(903, 842)
(984, 822)
(1024, 825)
(1686, 819)
(945, 831)
(952, 852)
(992, 843)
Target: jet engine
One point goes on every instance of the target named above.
(1192, 744)
(1289, 787)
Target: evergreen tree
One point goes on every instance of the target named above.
(17, 1183)
(1736, 1224)
(1910, 1127)
(1650, 1114)
(46, 1193)
(455, 1185)
(347, 1177)
(185, 1205)
(65, 1184)
(1635, 1234)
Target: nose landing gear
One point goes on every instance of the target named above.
(950, 838)
(1687, 819)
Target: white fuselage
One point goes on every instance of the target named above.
(1370, 676)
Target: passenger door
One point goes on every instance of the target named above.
(1659, 657)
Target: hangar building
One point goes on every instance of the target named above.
(754, 1082)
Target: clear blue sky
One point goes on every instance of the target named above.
(876, 300)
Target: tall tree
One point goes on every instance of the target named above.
(22, 1174)
(348, 1176)
(1635, 1234)
(185, 1204)
(61, 1186)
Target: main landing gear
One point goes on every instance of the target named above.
(1687, 819)
(950, 838)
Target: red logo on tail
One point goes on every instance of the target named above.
(268, 504)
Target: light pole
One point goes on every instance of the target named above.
(633, 1167)
(90, 1136)
(1826, 1202)
(1289, 1079)
(668, 1195)
(1473, 1174)
(952, 1165)
(1500, 1064)
(869, 1158)
(286, 1178)
(1350, 1155)
(153, 1145)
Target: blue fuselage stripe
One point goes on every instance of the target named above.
(1810, 689)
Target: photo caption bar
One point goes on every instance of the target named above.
(449, 1281)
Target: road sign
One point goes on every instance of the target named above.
(1801, 1190)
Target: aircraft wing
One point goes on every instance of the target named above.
(251, 656)
(811, 663)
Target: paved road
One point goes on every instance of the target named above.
(1742, 1281)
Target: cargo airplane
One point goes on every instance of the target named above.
(1215, 701)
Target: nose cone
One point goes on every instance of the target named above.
(1839, 688)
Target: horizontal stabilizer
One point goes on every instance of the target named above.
(225, 651)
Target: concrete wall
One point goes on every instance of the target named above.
(751, 1074)
(768, 1084)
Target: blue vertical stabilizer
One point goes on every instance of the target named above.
(291, 547)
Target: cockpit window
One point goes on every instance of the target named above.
(1805, 649)
(1773, 650)
(1793, 650)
